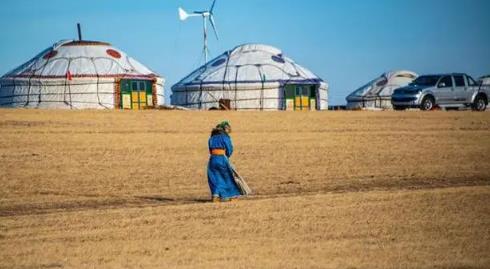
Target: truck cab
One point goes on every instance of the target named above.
(456, 90)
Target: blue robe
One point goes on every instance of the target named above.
(220, 175)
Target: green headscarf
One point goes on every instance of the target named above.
(223, 124)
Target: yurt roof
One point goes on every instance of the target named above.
(485, 79)
(374, 86)
(397, 73)
(250, 63)
(81, 59)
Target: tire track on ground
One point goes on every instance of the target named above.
(110, 202)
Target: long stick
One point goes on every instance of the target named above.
(242, 184)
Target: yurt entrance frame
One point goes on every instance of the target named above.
(300, 97)
(136, 94)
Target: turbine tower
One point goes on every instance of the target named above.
(206, 15)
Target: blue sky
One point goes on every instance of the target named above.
(346, 42)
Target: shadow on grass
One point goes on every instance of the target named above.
(165, 200)
(156, 199)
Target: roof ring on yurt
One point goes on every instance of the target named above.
(376, 94)
(79, 74)
(255, 77)
(278, 58)
(412, 76)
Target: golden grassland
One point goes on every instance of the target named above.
(114, 189)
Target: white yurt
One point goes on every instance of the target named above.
(484, 80)
(251, 77)
(81, 75)
(377, 93)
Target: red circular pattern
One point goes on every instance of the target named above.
(50, 54)
(113, 53)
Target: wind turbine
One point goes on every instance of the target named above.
(206, 15)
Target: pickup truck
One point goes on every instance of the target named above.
(456, 90)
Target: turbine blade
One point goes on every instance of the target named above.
(213, 24)
(182, 14)
(212, 7)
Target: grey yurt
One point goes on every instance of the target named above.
(376, 94)
(484, 80)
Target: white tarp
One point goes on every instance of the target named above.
(73, 74)
(252, 76)
(485, 80)
(376, 94)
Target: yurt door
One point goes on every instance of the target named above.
(136, 94)
(300, 97)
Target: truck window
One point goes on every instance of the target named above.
(459, 81)
(471, 81)
(446, 81)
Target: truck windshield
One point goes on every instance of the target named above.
(426, 80)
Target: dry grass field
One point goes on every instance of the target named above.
(113, 189)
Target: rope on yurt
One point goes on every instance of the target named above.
(39, 95)
(186, 96)
(40, 87)
(29, 81)
(378, 96)
(13, 91)
(129, 63)
(67, 85)
(69, 95)
(30, 70)
(97, 83)
(202, 90)
(224, 76)
(262, 79)
(33, 72)
(200, 94)
(92, 60)
(236, 85)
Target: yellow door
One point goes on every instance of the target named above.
(297, 103)
(142, 100)
(135, 100)
(305, 102)
(302, 98)
(138, 95)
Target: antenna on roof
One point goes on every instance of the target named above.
(79, 32)
(206, 15)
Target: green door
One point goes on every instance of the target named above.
(136, 94)
(300, 97)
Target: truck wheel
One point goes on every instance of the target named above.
(427, 103)
(480, 104)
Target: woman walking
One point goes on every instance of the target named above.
(220, 175)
